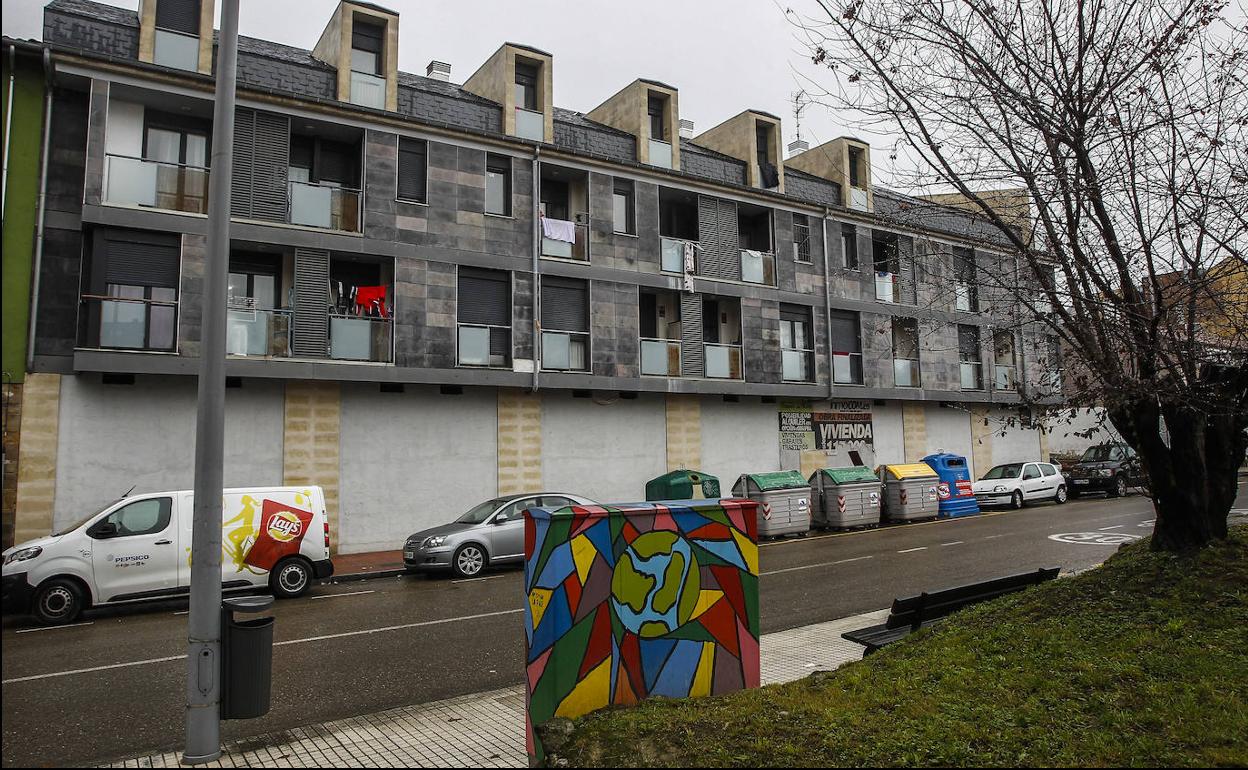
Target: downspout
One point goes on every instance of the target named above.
(44, 152)
(537, 249)
(8, 130)
(827, 305)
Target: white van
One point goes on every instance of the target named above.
(139, 548)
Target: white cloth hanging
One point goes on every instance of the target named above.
(559, 230)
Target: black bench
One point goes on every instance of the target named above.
(910, 615)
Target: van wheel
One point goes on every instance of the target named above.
(58, 601)
(291, 578)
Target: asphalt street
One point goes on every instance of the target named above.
(113, 685)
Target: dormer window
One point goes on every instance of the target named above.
(176, 42)
(366, 40)
(768, 174)
(855, 167)
(526, 85)
(655, 107)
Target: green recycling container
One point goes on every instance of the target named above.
(845, 498)
(681, 485)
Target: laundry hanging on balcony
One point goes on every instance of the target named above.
(559, 229)
(371, 300)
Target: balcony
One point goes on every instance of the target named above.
(798, 365)
(578, 250)
(886, 287)
(660, 154)
(1003, 377)
(130, 181)
(847, 368)
(484, 345)
(722, 362)
(359, 338)
(972, 375)
(758, 267)
(127, 320)
(565, 351)
(257, 333)
(368, 90)
(906, 372)
(660, 357)
(327, 206)
(673, 251)
(530, 125)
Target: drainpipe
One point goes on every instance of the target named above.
(44, 151)
(8, 129)
(537, 249)
(827, 304)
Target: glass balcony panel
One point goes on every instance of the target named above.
(310, 205)
(368, 90)
(579, 249)
(1003, 377)
(796, 365)
(858, 198)
(972, 376)
(758, 267)
(905, 372)
(173, 49)
(847, 368)
(474, 345)
(673, 250)
(123, 324)
(530, 125)
(556, 351)
(130, 181)
(660, 154)
(359, 339)
(660, 357)
(886, 287)
(722, 361)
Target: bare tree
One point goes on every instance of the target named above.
(1124, 124)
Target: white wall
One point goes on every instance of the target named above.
(412, 460)
(1063, 428)
(112, 437)
(607, 451)
(890, 445)
(737, 438)
(1012, 443)
(949, 430)
(124, 132)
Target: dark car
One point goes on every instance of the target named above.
(1108, 468)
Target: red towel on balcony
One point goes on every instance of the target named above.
(370, 297)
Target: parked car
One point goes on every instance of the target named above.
(1108, 468)
(489, 534)
(1015, 484)
(136, 549)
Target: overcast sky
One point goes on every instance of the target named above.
(723, 57)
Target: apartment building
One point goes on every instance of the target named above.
(440, 293)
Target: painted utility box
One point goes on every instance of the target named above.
(683, 484)
(909, 492)
(634, 600)
(954, 491)
(783, 499)
(845, 498)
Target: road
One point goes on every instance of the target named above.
(113, 686)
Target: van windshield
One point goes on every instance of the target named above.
(85, 519)
(1009, 471)
(481, 512)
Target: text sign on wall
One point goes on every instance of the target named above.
(796, 428)
(848, 422)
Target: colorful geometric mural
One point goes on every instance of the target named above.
(629, 601)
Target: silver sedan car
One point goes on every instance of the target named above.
(491, 533)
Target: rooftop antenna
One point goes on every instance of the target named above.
(800, 102)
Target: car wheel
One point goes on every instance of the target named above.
(1060, 497)
(469, 561)
(291, 578)
(1016, 500)
(58, 601)
(1120, 487)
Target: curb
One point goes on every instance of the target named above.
(355, 577)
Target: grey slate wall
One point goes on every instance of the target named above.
(191, 294)
(110, 38)
(623, 252)
(273, 74)
(698, 162)
(811, 188)
(448, 110)
(424, 323)
(614, 329)
(522, 315)
(604, 143)
(760, 336)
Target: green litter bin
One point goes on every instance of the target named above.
(845, 498)
(681, 485)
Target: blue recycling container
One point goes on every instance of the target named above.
(954, 493)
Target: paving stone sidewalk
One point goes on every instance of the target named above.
(484, 729)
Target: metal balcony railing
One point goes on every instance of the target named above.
(257, 333)
(847, 368)
(906, 372)
(578, 250)
(758, 267)
(131, 181)
(886, 288)
(673, 254)
(660, 357)
(368, 90)
(323, 205)
(361, 338)
(129, 323)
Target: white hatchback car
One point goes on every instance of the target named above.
(1014, 484)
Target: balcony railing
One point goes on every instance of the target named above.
(758, 267)
(368, 90)
(174, 49)
(552, 247)
(906, 372)
(328, 206)
(130, 323)
(966, 298)
(673, 251)
(798, 365)
(257, 333)
(1003, 377)
(483, 345)
(565, 351)
(660, 154)
(722, 362)
(130, 181)
(972, 375)
(858, 198)
(530, 125)
(660, 357)
(358, 338)
(847, 368)
(886, 287)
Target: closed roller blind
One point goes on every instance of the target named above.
(484, 297)
(412, 169)
(310, 338)
(178, 16)
(141, 259)
(565, 304)
(844, 332)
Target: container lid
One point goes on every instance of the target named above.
(683, 473)
(909, 471)
(946, 458)
(849, 474)
(767, 482)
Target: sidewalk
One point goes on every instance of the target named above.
(362, 566)
(485, 729)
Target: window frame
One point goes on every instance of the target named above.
(805, 242)
(630, 196)
(398, 179)
(849, 245)
(500, 165)
(798, 314)
(164, 518)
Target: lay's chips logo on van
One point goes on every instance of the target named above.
(284, 526)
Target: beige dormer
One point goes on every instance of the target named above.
(650, 111)
(520, 79)
(753, 137)
(177, 33)
(361, 42)
(846, 161)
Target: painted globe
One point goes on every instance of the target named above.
(655, 585)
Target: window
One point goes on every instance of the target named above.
(801, 238)
(760, 143)
(413, 170)
(797, 345)
(1030, 471)
(366, 40)
(966, 293)
(655, 107)
(176, 39)
(498, 185)
(526, 85)
(969, 358)
(1052, 381)
(1003, 373)
(623, 207)
(132, 301)
(849, 247)
(484, 314)
(906, 372)
(254, 324)
(143, 517)
(565, 324)
(846, 348)
(1048, 470)
(855, 167)
(177, 152)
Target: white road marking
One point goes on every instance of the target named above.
(54, 628)
(912, 550)
(366, 631)
(477, 580)
(182, 612)
(955, 542)
(345, 593)
(991, 537)
(813, 566)
(1115, 526)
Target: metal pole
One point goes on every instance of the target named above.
(203, 690)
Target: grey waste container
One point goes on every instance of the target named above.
(910, 492)
(246, 658)
(845, 498)
(783, 501)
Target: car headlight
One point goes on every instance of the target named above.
(1107, 472)
(1000, 488)
(26, 554)
(434, 542)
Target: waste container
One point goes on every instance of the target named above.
(845, 498)
(783, 501)
(680, 484)
(909, 492)
(246, 658)
(954, 492)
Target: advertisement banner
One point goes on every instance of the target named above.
(847, 425)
